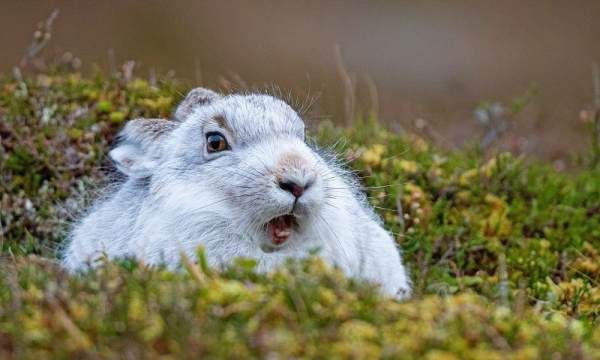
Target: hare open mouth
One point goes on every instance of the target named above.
(280, 228)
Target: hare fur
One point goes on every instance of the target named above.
(234, 174)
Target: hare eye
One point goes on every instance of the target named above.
(216, 142)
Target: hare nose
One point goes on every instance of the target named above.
(293, 188)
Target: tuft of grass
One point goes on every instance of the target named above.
(504, 251)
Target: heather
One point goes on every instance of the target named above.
(503, 250)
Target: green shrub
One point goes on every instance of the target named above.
(504, 251)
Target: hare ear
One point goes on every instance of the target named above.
(140, 145)
(196, 97)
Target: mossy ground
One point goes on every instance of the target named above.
(504, 251)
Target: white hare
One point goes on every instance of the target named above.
(234, 174)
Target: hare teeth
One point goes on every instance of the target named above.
(282, 233)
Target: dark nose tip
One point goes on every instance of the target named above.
(292, 187)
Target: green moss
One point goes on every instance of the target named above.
(503, 251)
(116, 117)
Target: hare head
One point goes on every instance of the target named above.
(237, 157)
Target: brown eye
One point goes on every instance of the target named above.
(216, 142)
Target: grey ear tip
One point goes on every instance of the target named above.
(199, 96)
(196, 97)
(202, 91)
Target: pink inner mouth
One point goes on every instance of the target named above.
(280, 228)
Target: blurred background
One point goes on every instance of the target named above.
(514, 73)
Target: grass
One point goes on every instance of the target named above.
(504, 251)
